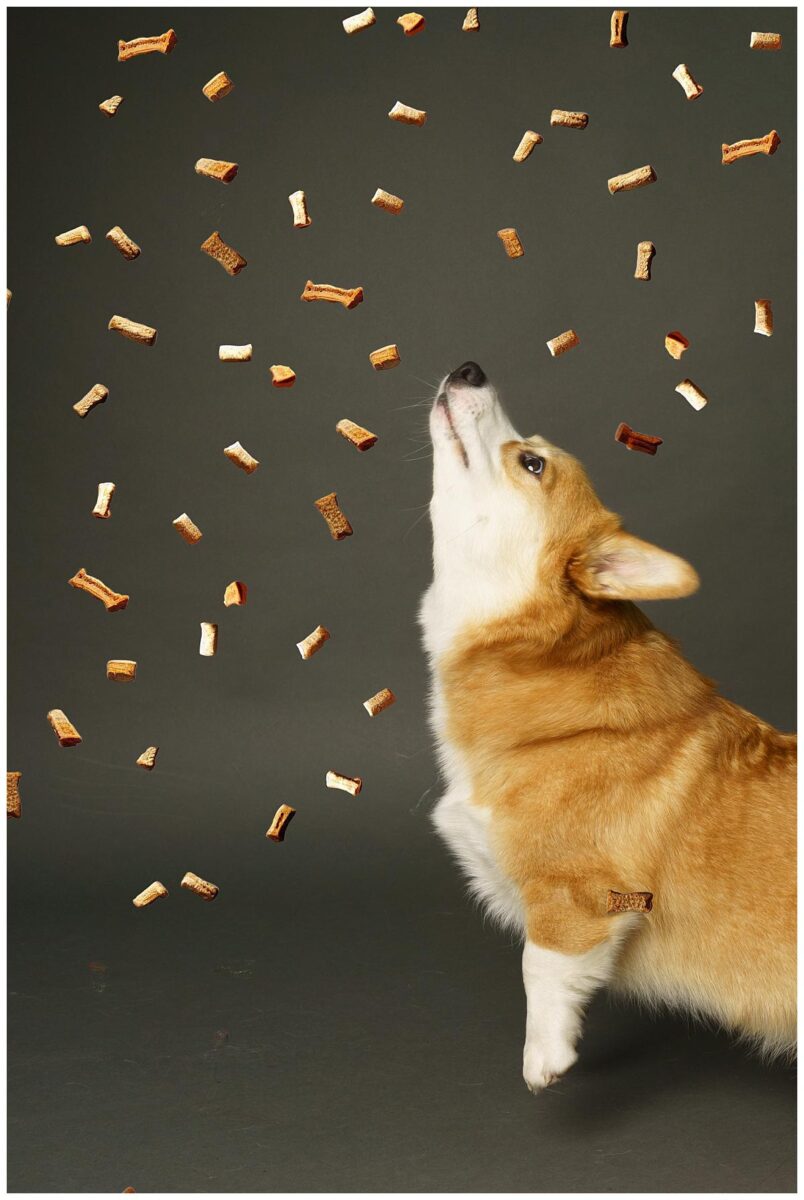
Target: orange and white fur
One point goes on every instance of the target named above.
(582, 753)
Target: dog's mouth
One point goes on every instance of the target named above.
(442, 402)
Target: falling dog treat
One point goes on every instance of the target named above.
(147, 45)
(391, 203)
(220, 85)
(227, 256)
(356, 434)
(216, 168)
(63, 728)
(361, 20)
(745, 149)
(121, 669)
(103, 503)
(645, 253)
(209, 639)
(13, 801)
(282, 377)
(241, 458)
(96, 395)
(282, 818)
(412, 23)
(385, 358)
(675, 344)
(470, 21)
(201, 887)
(348, 297)
(641, 177)
(344, 783)
(339, 527)
(188, 529)
(572, 120)
(564, 342)
(619, 902)
(109, 107)
(112, 601)
(147, 759)
(692, 394)
(73, 236)
(123, 242)
(133, 331)
(301, 217)
(376, 704)
(235, 353)
(636, 441)
(619, 21)
(766, 41)
(692, 90)
(763, 317)
(154, 892)
(511, 243)
(236, 593)
(407, 115)
(525, 147)
(313, 642)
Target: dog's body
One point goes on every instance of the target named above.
(583, 754)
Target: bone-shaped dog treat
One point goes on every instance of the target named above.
(147, 759)
(135, 332)
(13, 801)
(348, 297)
(620, 902)
(123, 242)
(763, 317)
(112, 601)
(471, 22)
(236, 593)
(121, 669)
(154, 891)
(298, 204)
(103, 503)
(511, 243)
(675, 344)
(216, 168)
(766, 41)
(241, 458)
(201, 887)
(344, 783)
(313, 642)
(692, 394)
(563, 342)
(96, 395)
(282, 818)
(339, 527)
(379, 702)
(412, 23)
(745, 149)
(632, 440)
(356, 434)
(572, 120)
(385, 357)
(407, 115)
(109, 107)
(209, 639)
(692, 90)
(619, 21)
(63, 728)
(235, 353)
(147, 45)
(386, 200)
(226, 255)
(645, 253)
(638, 178)
(188, 529)
(282, 377)
(525, 147)
(220, 85)
(73, 236)
(361, 20)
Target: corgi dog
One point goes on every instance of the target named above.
(582, 754)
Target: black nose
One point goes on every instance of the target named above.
(469, 373)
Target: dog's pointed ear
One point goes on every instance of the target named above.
(619, 566)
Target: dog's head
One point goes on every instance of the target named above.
(514, 516)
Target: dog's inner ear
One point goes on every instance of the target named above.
(619, 566)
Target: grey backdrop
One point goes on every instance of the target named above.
(340, 1017)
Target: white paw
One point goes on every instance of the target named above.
(545, 1062)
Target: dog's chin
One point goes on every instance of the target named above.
(445, 428)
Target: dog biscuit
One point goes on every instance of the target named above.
(344, 783)
(511, 243)
(147, 45)
(123, 242)
(282, 818)
(209, 639)
(692, 394)
(675, 344)
(201, 887)
(525, 148)
(766, 41)
(132, 330)
(96, 395)
(391, 203)
(298, 204)
(356, 434)
(216, 168)
(692, 90)
(235, 353)
(619, 21)
(768, 144)
(109, 107)
(632, 440)
(638, 178)
(219, 85)
(471, 22)
(188, 529)
(377, 703)
(348, 297)
(153, 892)
(112, 601)
(121, 669)
(103, 503)
(13, 801)
(411, 23)
(407, 115)
(236, 594)
(763, 317)
(232, 262)
(645, 253)
(313, 642)
(339, 527)
(241, 458)
(563, 342)
(73, 236)
(147, 759)
(385, 358)
(572, 120)
(619, 902)
(282, 377)
(361, 20)
(63, 728)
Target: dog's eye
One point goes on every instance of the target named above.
(532, 463)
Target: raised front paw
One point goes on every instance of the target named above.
(544, 1062)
